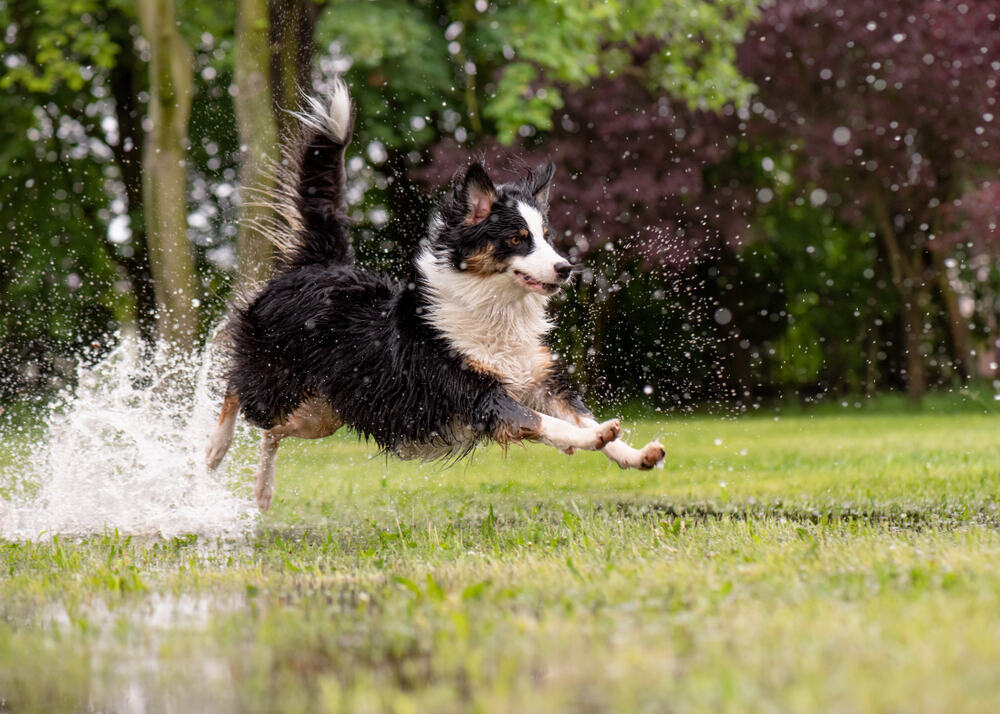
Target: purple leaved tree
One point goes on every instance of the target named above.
(889, 108)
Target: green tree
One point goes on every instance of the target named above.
(505, 65)
(164, 177)
(258, 135)
(64, 285)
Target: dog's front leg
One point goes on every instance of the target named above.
(568, 408)
(566, 436)
(650, 455)
(508, 421)
(554, 396)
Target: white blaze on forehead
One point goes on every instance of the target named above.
(540, 262)
(534, 220)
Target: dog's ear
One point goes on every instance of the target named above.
(476, 193)
(540, 181)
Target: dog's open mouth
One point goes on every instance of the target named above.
(536, 285)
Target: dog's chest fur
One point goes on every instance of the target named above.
(496, 327)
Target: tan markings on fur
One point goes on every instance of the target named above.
(222, 435)
(542, 365)
(229, 406)
(313, 419)
(508, 433)
(483, 368)
(541, 399)
(484, 262)
(561, 408)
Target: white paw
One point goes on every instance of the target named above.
(607, 432)
(263, 492)
(652, 454)
(214, 453)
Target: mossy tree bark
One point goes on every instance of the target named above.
(258, 136)
(164, 182)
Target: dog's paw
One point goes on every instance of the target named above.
(214, 453)
(263, 492)
(652, 454)
(607, 432)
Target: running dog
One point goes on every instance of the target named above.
(429, 366)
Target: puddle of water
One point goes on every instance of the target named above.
(126, 454)
(136, 664)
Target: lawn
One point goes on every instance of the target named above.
(830, 560)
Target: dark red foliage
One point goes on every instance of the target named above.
(895, 96)
(973, 221)
(631, 170)
(898, 97)
(879, 114)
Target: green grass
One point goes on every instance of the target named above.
(820, 561)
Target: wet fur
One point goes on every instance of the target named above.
(428, 366)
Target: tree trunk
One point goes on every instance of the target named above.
(258, 137)
(126, 83)
(913, 324)
(292, 30)
(164, 180)
(909, 286)
(958, 326)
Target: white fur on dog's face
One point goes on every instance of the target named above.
(538, 266)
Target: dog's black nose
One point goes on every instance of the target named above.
(562, 269)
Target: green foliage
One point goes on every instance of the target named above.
(68, 43)
(517, 104)
(571, 42)
(511, 62)
(698, 61)
(399, 70)
(57, 294)
(63, 290)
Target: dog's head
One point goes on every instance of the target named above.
(500, 232)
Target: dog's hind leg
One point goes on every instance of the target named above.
(313, 419)
(222, 435)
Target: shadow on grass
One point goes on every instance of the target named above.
(908, 516)
(482, 520)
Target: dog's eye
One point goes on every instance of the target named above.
(515, 240)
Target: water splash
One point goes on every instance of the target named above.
(125, 453)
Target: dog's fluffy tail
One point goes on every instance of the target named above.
(312, 226)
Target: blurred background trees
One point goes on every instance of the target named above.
(797, 199)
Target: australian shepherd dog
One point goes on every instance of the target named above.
(429, 366)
